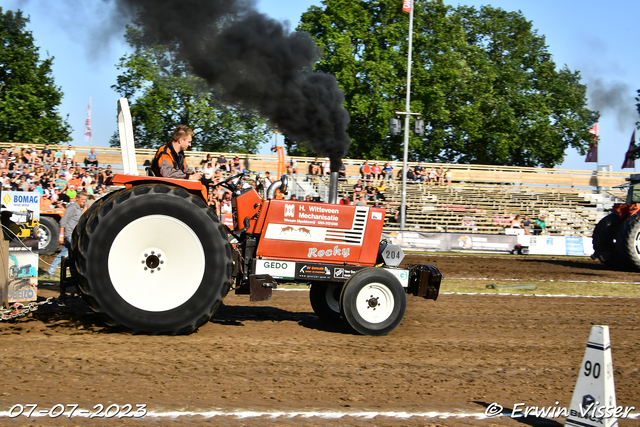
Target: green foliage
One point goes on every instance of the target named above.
(483, 80)
(29, 98)
(163, 92)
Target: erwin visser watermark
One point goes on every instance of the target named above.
(592, 411)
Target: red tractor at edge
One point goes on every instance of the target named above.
(616, 238)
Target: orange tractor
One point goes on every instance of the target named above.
(153, 258)
(616, 238)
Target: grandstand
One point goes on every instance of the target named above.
(481, 198)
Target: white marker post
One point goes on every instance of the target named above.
(125, 129)
(594, 398)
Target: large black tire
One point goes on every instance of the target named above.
(325, 301)
(73, 248)
(628, 243)
(154, 259)
(48, 231)
(604, 240)
(373, 302)
(75, 237)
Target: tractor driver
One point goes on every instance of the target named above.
(169, 161)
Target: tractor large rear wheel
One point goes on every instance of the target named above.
(628, 242)
(604, 240)
(154, 259)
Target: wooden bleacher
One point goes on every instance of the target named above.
(482, 198)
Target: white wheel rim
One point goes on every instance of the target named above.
(637, 244)
(330, 298)
(43, 237)
(375, 303)
(156, 263)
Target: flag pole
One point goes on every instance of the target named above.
(403, 202)
(87, 126)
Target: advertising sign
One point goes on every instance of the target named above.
(20, 219)
(483, 242)
(276, 269)
(574, 246)
(418, 240)
(313, 271)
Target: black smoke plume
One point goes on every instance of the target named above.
(256, 61)
(616, 98)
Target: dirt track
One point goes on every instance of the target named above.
(454, 355)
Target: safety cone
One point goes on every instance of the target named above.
(594, 398)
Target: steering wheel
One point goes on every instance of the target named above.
(228, 184)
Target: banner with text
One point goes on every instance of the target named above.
(538, 245)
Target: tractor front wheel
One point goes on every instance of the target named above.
(604, 244)
(628, 242)
(325, 301)
(154, 259)
(373, 302)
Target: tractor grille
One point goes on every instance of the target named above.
(353, 236)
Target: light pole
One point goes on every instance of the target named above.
(407, 113)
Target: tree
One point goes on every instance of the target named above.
(483, 80)
(29, 98)
(163, 92)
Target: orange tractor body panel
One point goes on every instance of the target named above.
(248, 206)
(55, 213)
(193, 187)
(625, 210)
(327, 233)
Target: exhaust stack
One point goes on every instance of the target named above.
(333, 188)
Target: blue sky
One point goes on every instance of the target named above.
(600, 41)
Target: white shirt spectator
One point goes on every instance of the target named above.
(70, 154)
(208, 170)
(326, 166)
(225, 207)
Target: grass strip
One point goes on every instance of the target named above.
(544, 288)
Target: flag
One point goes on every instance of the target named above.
(629, 161)
(87, 125)
(592, 155)
(406, 6)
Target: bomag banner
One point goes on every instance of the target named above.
(20, 221)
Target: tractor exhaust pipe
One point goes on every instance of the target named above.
(282, 184)
(333, 188)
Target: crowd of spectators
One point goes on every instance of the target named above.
(435, 176)
(323, 169)
(54, 173)
(530, 227)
